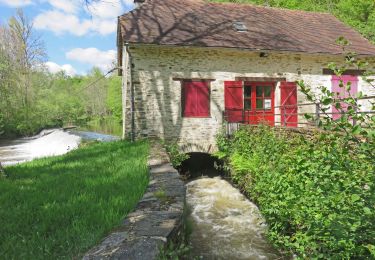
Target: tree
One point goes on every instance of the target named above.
(28, 50)
(22, 53)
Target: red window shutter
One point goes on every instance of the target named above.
(196, 99)
(203, 99)
(233, 98)
(288, 102)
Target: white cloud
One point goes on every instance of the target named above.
(105, 9)
(55, 68)
(67, 16)
(60, 22)
(68, 6)
(104, 27)
(93, 56)
(16, 3)
(129, 3)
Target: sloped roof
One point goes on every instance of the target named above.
(199, 23)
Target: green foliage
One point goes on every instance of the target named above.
(317, 195)
(59, 207)
(32, 99)
(175, 155)
(62, 100)
(353, 126)
(223, 144)
(1, 124)
(2, 172)
(174, 251)
(179, 247)
(161, 195)
(114, 102)
(358, 14)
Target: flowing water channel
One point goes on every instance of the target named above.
(225, 224)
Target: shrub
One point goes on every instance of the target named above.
(317, 195)
(175, 155)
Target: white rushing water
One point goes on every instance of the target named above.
(225, 224)
(51, 143)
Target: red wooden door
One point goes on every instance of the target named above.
(233, 98)
(288, 104)
(341, 92)
(259, 102)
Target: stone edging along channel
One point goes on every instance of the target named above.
(156, 219)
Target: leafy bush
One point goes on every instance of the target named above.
(316, 194)
(175, 155)
(354, 125)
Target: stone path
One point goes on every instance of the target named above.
(156, 219)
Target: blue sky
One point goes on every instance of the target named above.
(76, 37)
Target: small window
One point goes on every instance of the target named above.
(263, 97)
(267, 91)
(247, 92)
(239, 26)
(247, 104)
(247, 97)
(195, 99)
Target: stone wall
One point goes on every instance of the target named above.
(158, 94)
(156, 220)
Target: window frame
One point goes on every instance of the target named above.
(208, 85)
(249, 98)
(253, 97)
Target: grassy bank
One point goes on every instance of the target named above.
(316, 194)
(59, 207)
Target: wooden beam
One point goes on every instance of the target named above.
(193, 79)
(352, 72)
(260, 79)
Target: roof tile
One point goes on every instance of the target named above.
(198, 23)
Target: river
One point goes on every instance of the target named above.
(50, 142)
(225, 224)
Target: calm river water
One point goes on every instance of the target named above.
(226, 225)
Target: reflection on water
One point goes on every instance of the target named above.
(92, 136)
(226, 225)
(107, 126)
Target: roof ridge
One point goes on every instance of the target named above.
(265, 7)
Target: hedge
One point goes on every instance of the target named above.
(316, 195)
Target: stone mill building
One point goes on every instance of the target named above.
(190, 66)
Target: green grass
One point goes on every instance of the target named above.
(61, 206)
